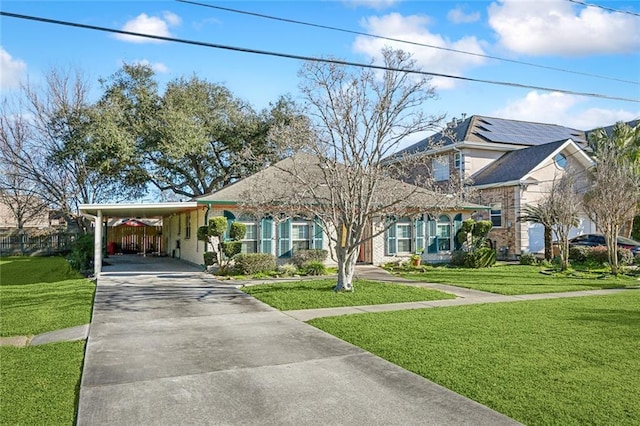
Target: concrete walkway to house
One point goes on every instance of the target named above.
(177, 347)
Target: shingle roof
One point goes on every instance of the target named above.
(514, 165)
(479, 128)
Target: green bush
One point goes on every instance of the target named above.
(597, 255)
(231, 248)
(528, 259)
(315, 267)
(81, 254)
(625, 256)
(288, 269)
(253, 263)
(636, 261)
(484, 257)
(578, 253)
(301, 257)
(458, 258)
(209, 258)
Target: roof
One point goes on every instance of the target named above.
(280, 184)
(479, 128)
(515, 165)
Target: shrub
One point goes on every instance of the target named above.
(314, 267)
(481, 258)
(597, 255)
(625, 256)
(209, 258)
(458, 258)
(81, 254)
(578, 253)
(528, 259)
(288, 269)
(636, 261)
(252, 263)
(301, 257)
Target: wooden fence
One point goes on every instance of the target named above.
(24, 245)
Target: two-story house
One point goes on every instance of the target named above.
(510, 164)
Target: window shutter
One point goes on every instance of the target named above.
(284, 239)
(392, 246)
(419, 235)
(433, 239)
(266, 228)
(457, 224)
(317, 234)
(230, 219)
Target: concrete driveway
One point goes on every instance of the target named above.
(178, 348)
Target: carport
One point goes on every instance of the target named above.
(100, 213)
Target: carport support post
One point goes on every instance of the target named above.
(97, 245)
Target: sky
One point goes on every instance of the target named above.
(561, 34)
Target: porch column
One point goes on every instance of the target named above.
(97, 245)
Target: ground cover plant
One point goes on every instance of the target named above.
(40, 383)
(520, 279)
(566, 361)
(40, 294)
(311, 294)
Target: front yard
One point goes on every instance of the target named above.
(40, 383)
(566, 361)
(521, 279)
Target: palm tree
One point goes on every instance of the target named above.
(540, 214)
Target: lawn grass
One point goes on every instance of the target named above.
(41, 294)
(40, 383)
(521, 279)
(311, 294)
(565, 361)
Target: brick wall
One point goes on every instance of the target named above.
(506, 235)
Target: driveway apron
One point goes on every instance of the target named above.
(178, 348)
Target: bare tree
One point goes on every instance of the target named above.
(615, 193)
(348, 177)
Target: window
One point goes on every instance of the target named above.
(443, 232)
(440, 168)
(560, 160)
(300, 236)
(250, 241)
(187, 226)
(457, 161)
(403, 233)
(496, 215)
(179, 224)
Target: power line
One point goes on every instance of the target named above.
(312, 59)
(414, 43)
(610, 9)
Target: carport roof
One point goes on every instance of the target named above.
(138, 209)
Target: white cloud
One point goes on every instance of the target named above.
(152, 25)
(11, 70)
(373, 4)
(158, 67)
(458, 16)
(559, 27)
(562, 109)
(414, 28)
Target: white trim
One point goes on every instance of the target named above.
(138, 209)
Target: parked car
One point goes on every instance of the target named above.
(593, 240)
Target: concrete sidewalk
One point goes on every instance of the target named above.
(166, 349)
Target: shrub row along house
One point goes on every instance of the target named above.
(508, 163)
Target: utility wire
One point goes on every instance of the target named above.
(310, 58)
(610, 9)
(414, 43)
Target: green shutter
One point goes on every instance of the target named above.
(432, 237)
(317, 234)
(392, 246)
(419, 235)
(284, 239)
(457, 224)
(266, 228)
(230, 219)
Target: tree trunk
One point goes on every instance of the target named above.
(346, 269)
(548, 243)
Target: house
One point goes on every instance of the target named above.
(277, 229)
(510, 164)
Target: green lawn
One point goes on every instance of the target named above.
(521, 279)
(40, 294)
(565, 361)
(39, 384)
(311, 294)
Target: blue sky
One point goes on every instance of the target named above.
(553, 33)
